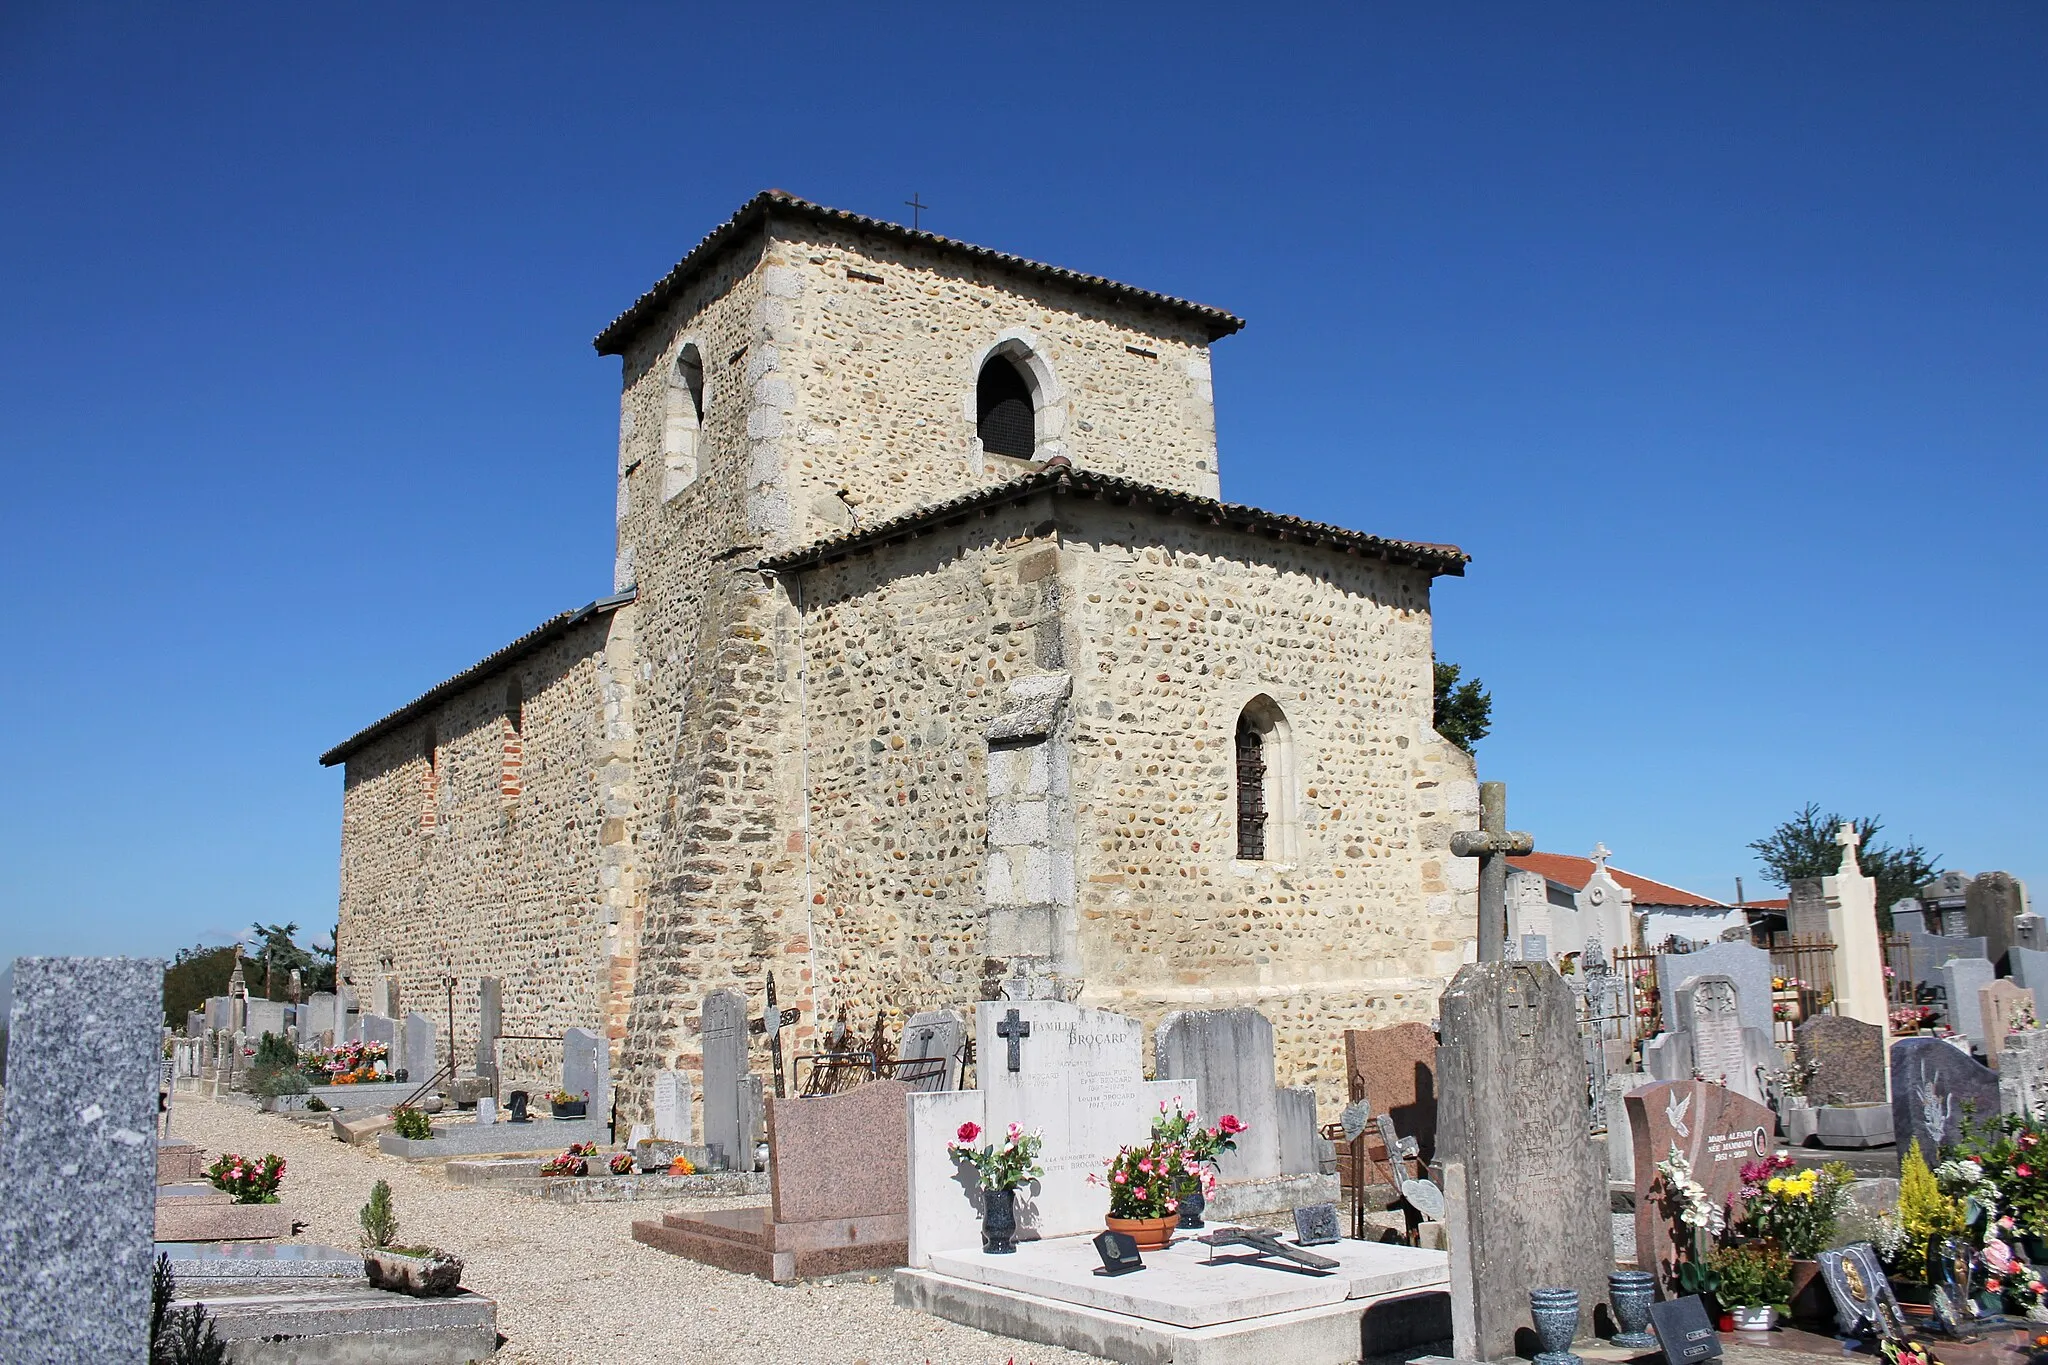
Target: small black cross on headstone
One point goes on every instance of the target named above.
(916, 215)
(1015, 1028)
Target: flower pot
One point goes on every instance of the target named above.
(420, 1276)
(574, 1109)
(1151, 1234)
(998, 1222)
(1810, 1301)
(1555, 1313)
(1630, 1293)
(1754, 1317)
(1192, 1205)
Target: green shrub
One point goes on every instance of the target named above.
(412, 1124)
(1754, 1275)
(380, 1224)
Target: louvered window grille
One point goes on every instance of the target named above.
(1251, 792)
(1003, 401)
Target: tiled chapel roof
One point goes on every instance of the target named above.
(1573, 873)
(615, 337)
(1061, 479)
(551, 629)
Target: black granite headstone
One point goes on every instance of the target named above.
(1684, 1330)
(517, 1103)
(1935, 1086)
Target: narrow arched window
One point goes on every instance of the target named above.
(1251, 791)
(683, 421)
(1004, 409)
(512, 743)
(1266, 823)
(430, 781)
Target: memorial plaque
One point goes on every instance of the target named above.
(1684, 1330)
(1316, 1225)
(1864, 1304)
(1119, 1253)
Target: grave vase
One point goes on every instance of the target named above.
(1757, 1318)
(1630, 1293)
(1555, 1314)
(1151, 1234)
(1193, 1204)
(999, 1222)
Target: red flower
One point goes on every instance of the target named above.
(969, 1131)
(2023, 1171)
(1231, 1125)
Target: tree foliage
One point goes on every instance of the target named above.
(200, 972)
(1805, 846)
(1464, 710)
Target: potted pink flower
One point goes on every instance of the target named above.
(1001, 1168)
(1203, 1146)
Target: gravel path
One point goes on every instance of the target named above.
(572, 1286)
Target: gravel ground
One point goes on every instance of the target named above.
(572, 1286)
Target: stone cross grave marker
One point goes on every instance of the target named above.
(1858, 964)
(725, 1068)
(1843, 1060)
(929, 1051)
(2023, 1073)
(672, 1106)
(2005, 1007)
(1932, 1084)
(1493, 843)
(78, 1152)
(770, 1026)
(1524, 1189)
(1080, 1083)
(1961, 979)
(1714, 1129)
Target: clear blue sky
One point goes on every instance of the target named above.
(1715, 333)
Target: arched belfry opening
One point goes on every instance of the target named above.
(1005, 409)
(683, 421)
(1266, 823)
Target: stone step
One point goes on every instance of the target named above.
(305, 1323)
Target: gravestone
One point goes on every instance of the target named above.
(2023, 1073)
(1748, 966)
(1946, 900)
(1707, 1005)
(379, 1029)
(2030, 931)
(1843, 1058)
(1909, 916)
(1301, 1142)
(219, 1012)
(1229, 1055)
(1933, 1087)
(2028, 967)
(1961, 979)
(265, 1016)
(672, 1106)
(1858, 965)
(1079, 1081)
(2005, 1007)
(725, 1068)
(1712, 1127)
(78, 1152)
(422, 1056)
(1604, 907)
(933, 1034)
(1806, 908)
(587, 1069)
(1395, 1069)
(490, 1026)
(1524, 1188)
(1621, 1139)
(1991, 904)
(1926, 952)
(317, 1017)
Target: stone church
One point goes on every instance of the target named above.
(935, 669)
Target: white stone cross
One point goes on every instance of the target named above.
(1600, 855)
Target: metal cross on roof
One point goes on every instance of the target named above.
(916, 210)
(1493, 843)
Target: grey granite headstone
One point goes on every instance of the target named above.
(2029, 967)
(2023, 1073)
(1926, 953)
(1621, 1142)
(317, 1017)
(1525, 1189)
(1843, 1058)
(1747, 965)
(2030, 931)
(672, 1106)
(929, 1034)
(725, 1067)
(1229, 1055)
(378, 1029)
(1990, 905)
(422, 1056)
(1961, 978)
(753, 1123)
(490, 1026)
(195, 1023)
(587, 1069)
(265, 1016)
(78, 1198)
(1302, 1145)
(1708, 1005)
(1909, 916)
(1806, 908)
(219, 1009)
(1934, 1087)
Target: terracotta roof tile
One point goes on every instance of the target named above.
(1574, 872)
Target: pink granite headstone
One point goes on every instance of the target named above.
(1712, 1127)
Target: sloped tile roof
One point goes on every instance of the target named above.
(614, 339)
(1573, 873)
(1061, 479)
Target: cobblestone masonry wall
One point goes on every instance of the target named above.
(492, 888)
